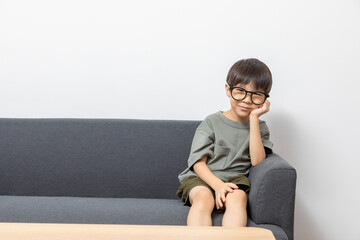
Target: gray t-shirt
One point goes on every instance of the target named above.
(226, 143)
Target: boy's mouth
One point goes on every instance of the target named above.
(244, 108)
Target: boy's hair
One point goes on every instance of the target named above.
(250, 70)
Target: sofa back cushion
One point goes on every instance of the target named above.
(93, 157)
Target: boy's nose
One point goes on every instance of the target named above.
(247, 99)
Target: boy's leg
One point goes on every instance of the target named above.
(202, 204)
(235, 209)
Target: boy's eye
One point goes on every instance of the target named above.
(240, 90)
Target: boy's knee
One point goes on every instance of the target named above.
(237, 197)
(203, 199)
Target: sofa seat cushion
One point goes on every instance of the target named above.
(92, 210)
(104, 211)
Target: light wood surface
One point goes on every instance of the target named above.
(42, 231)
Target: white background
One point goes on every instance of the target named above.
(169, 60)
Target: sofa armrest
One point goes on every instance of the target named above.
(272, 194)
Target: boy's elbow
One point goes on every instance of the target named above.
(255, 162)
(257, 158)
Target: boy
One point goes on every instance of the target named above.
(225, 146)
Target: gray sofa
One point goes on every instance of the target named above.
(113, 171)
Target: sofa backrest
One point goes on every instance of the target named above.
(93, 157)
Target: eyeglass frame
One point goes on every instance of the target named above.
(246, 92)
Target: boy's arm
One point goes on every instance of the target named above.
(256, 147)
(220, 188)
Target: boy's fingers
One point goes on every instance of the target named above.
(223, 198)
(218, 201)
(233, 185)
(228, 189)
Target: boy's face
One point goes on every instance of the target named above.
(240, 110)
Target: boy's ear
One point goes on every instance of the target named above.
(227, 89)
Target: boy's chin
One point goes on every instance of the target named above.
(242, 113)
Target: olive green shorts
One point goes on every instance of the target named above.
(193, 181)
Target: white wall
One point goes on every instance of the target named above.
(168, 60)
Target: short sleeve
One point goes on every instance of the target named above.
(265, 137)
(203, 144)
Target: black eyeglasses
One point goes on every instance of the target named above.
(239, 94)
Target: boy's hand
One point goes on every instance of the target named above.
(221, 192)
(261, 110)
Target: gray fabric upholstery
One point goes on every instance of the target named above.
(93, 157)
(104, 211)
(92, 210)
(272, 196)
(119, 172)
